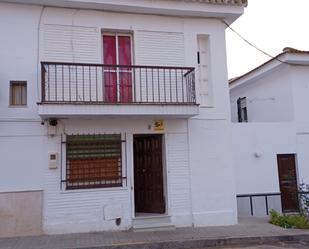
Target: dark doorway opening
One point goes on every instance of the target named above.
(288, 182)
(148, 174)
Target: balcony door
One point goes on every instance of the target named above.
(117, 51)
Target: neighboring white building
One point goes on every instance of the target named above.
(271, 140)
(88, 145)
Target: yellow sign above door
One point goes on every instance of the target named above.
(158, 125)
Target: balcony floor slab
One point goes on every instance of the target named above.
(112, 110)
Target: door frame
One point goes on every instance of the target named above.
(164, 169)
(296, 175)
(118, 33)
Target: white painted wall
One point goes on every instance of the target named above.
(82, 210)
(201, 187)
(212, 176)
(288, 86)
(21, 135)
(300, 80)
(80, 22)
(303, 157)
(19, 52)
(255, 149)
(23, 155)
(155, 43)
(269, 97)
(260, 174)
(277, 103)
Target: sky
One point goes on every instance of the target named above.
(271, 25)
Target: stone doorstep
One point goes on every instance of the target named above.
(204, 243)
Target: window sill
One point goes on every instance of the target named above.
(71, 191)
(17, 106)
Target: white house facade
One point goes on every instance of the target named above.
(270, 133)
(114, 115)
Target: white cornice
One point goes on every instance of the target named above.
(228, 10)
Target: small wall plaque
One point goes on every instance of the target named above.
(158, 125)
(53, 160)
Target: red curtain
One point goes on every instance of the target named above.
(125, 74)
(110, 73)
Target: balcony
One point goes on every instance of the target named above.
(75, 89)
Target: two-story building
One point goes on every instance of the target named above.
(270, 133)
(114, 115)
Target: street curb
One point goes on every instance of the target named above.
(202, 243)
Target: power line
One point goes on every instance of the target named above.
(252, 45)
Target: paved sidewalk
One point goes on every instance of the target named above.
(279, 245)
(247, 231)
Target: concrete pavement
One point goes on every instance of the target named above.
(247, 232)
(280, 245)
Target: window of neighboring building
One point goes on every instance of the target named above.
(93, 161)
(18, 93)
(242, 110)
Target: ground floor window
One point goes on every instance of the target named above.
(93, 161)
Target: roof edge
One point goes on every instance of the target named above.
(286, 50)
(243, 3)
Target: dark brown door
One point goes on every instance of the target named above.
(148, 174)
(288, 182)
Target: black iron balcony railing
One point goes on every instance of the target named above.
(79, 83)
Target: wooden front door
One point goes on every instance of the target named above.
(148, 174)
(288, 182)
(117, 80)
